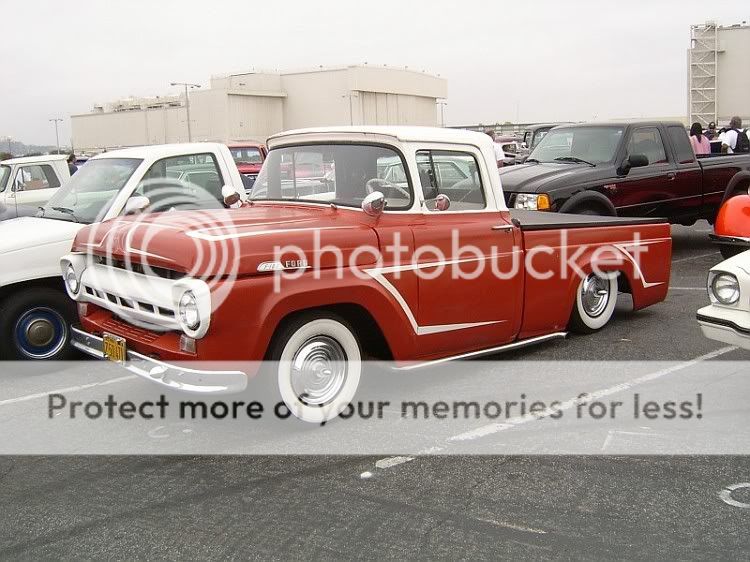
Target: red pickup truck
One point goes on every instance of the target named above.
(249, 157)
(319, 273)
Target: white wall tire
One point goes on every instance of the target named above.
(595, 301)
(319, 367)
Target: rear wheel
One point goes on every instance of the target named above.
(317, 366)
(595, 302)
(35, 325)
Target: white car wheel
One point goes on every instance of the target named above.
(596, 298)
(319, 369)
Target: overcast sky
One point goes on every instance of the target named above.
(534, 60)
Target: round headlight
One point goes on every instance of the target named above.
(188, 309)
(725, 288)
(72, 280)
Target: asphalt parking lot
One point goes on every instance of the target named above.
(432, 506)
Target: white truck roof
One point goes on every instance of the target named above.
(35, 159)
(403, 134)
(159, 151)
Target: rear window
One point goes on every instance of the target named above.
(681, 145)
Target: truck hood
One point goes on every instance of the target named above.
(27, 233)
(235, 242)
(542, 178)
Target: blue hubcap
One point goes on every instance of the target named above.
(40, 333)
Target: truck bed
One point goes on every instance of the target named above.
(541, 220)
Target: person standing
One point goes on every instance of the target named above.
(711, 131)
(698, 140)
(72, 168)
(734, 139)
(499, 153)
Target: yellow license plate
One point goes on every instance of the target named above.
(114, 348)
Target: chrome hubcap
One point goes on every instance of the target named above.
(40, 332)
(594, 295)
(318, 370)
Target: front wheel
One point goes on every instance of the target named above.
(317, 363)
(596, 297)
(35, 325)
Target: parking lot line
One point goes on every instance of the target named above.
(493, 428)
(63, 390)
(695, 257)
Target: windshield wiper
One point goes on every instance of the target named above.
(42, 209)
(575, 160)
(532, 160)
(66, 211)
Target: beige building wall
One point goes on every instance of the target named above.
(733, 75)
(254, 106)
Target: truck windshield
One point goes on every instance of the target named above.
(334, 173)
(246, 154)
(4, 173)
(89, 192)
(596, 145)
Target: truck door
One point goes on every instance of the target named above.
(645, 191)
(688, 188)
(463, 303)
(33, 185)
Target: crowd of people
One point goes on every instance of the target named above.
(729, 140)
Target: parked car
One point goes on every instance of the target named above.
(732, 226)
(638, 169)
(512, 147)
(727, 318)
(26, 183)
(531, 137)
(331, 316)
(249, 158)
(35, 313)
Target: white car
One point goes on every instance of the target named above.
(727, 318)
(35, 312)
(26, 183)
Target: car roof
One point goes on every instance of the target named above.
(161, 150)
(624, 123)
(405, 134)
(248, 144)
(35, 159)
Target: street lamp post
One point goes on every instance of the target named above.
(187, 103)
(442, 104)
(57, 136)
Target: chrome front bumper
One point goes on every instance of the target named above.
(172, 376)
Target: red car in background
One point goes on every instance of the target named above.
(249, 158)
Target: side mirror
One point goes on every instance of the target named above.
(231, 196)
(633, 161)
(136, 205)
(442, 202)
(374, 204)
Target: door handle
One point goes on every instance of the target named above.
(503, 227)
(671, 176)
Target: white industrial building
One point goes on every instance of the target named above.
(719, 73)
(253, 106)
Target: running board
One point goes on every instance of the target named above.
(507, 347)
